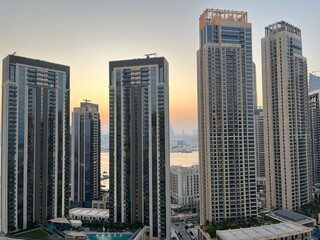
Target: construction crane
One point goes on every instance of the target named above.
(150, 54)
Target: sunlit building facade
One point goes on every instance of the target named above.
(286, 118)
(35, 142)
(139, 144)
(225, 117)
(184, 185)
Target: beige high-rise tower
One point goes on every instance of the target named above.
(286, 116)
(225, 117)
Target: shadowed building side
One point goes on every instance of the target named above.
(139, 144)
(85, 154)
(35, 142)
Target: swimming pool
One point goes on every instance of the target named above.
(316, 233)
(109, 236)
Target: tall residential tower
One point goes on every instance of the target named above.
(314, 105)
(225, 117)
(85, 154)
(35, 142)
(139, 144)
(286, 118)
(314, 82)
(259, 143)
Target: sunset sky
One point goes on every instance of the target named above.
(87, 34)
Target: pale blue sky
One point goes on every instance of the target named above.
(87, 34)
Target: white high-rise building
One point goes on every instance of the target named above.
(85, 154)
(35, 154)
(184, 185)
(286, 118)
(225, 117)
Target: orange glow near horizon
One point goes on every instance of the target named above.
(183, 103)
(86, 35)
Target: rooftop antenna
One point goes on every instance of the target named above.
(150, 54)
(14, 53)
(87, 100)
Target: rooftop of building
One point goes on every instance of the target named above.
(76, 222)
(281, 26)
(89, 212)
(179, 168)
(264, 232)
(137, 62)
(87, 105)
(76, 234)
(213, 16)
(284, 215)
(14, 59)
(60, 220)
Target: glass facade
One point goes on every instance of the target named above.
(314, 105)
(86, 155)
(314, 82)
(139, 144)
(33, 142)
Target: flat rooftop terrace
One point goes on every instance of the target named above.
(273, 231)
(284, 215)
(89, 212)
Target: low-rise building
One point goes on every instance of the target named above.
(99, 204)
(285, 216)
(75, 235)
(280, 231)
(184, 182)
(89, 214)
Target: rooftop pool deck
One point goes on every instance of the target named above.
(109, 236)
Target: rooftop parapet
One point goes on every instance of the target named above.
(213, 16)
(281, 26)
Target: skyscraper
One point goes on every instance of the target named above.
(225, 117)
(254, 86)
(314, 82)
(85, 154)
(35, 142)
(286, 117)
(314, 105)
(259, 143)
(139, 144)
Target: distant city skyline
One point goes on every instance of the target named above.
(89, 34)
